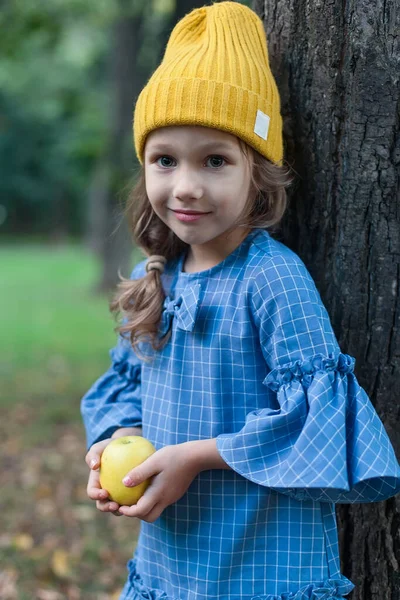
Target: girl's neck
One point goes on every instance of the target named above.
(205, 256)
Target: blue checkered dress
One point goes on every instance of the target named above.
(253, 362)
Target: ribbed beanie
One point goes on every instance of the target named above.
(215, 73)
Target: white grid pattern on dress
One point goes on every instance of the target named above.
(253, 362)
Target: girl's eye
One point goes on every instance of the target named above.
(216, 161)
(166, 161)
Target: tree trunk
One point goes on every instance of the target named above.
(126, 79)
(97, 208)
(337, 68)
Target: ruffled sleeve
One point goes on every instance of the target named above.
(114, 400)
(325, 442)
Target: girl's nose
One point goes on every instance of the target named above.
(187, 185)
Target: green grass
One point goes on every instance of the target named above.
(56, 331)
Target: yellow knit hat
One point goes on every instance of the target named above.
(215, 73)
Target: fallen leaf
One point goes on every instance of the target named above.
(60, 564)
(23, 541)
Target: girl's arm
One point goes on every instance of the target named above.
(200, 455)
(204, 455)
(320, 437)
(114, 400)
(172, 470)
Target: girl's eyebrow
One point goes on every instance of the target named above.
(160, 147)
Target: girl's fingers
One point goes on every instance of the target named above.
(93, 457)
(154, 514)
(142, 508)
(94, 490)
(107, 506)
(144, 471)
(150, 517)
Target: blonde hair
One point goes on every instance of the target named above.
(140, 302)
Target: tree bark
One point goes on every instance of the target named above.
(126, 79)
(337, 66)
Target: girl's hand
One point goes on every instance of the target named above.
(93, 459)
(94, 489)
(172, 469)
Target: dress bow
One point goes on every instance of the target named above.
(184, 309)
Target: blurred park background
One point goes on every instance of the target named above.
(70, 72)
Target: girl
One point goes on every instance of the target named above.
(227, 361)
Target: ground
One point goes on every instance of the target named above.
(54, 544)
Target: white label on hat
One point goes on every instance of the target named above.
(262, 124)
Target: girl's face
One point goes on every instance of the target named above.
(198, 182)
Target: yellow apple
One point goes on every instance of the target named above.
(119, 457)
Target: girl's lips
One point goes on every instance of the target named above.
(189, 217)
